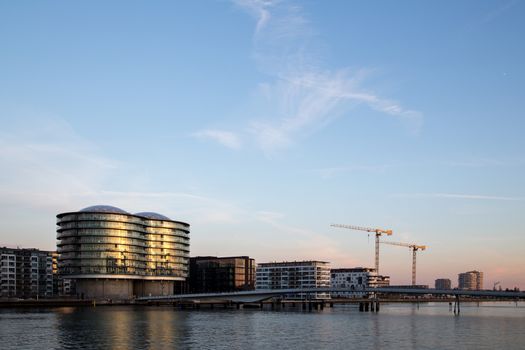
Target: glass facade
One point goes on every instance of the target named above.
(107, 242)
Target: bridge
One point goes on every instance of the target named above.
(260, 295)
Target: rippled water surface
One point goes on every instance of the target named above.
(396, 326)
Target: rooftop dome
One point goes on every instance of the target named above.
(154, 216)
(104, 209)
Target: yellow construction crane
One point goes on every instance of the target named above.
(378, 232)
(414, 248)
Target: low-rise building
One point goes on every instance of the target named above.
(210, 274)
(356, 279)
(471, 280)
(443, 283)
(292, 275)
(26, 273)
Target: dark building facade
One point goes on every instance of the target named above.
(443, 283)
(109, 253)
(26, 273)
(221, 274)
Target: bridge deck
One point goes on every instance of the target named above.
(258, 295)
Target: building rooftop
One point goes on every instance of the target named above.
(354, 269)
(104, 209)
(152, 215)
(294, 263)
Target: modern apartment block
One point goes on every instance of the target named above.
(221, 274)
(294, 274)
(471, 280)
(443, 283)
(108, 253)
(357, 279)
(26, 273)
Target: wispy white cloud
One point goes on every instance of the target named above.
(49, 157)
(331, 172)
(459, 196)
(304, 96)
(485, 162)
(225, 138)
(306, 242)
(260, 9)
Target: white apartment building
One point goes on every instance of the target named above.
(357, 279)
(294, 274)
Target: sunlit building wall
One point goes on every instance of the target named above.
(471, 280)
(356, 279)
(292, 275)
(111, 253)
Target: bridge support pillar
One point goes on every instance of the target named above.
(309, 306)
(377, 305)
(456, 306)
(361, 306)
(372, 306)
(367, 306)
(331, 304)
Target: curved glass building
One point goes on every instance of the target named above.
(111, 253)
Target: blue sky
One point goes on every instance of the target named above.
(262, 122)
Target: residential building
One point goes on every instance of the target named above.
(356, 279)
(109, 253)
(8, 272)
(294, 274)
(443, 283)
(221, 274)
(26, 273)
(471, 280)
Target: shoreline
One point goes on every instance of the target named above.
(47, 303)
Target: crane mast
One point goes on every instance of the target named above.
(377, 231)
(414, 248)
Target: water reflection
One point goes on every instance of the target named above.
(342, 327)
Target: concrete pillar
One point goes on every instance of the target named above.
(367, 306)
(361, 306)
(377, 306)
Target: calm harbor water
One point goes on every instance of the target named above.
(396, 326)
